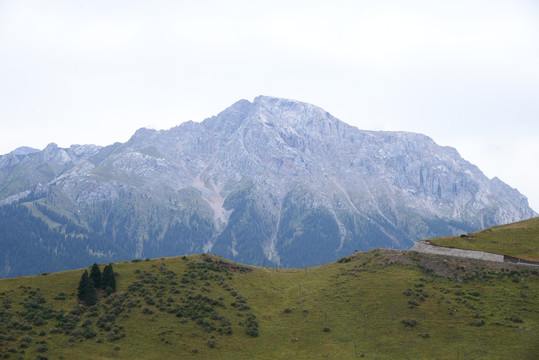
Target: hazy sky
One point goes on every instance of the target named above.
(465, 73)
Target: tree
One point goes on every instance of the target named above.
(83, 285)
(109, 280)
(91, 295)
(86, 290)
(95, 275)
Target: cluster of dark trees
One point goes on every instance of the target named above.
(89, 283)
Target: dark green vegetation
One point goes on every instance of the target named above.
(35, 239)
(86, 293)
(55, 235)
(32, 243)
(520, 239)
(380, 304)
(89, 285)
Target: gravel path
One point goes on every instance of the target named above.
(425, 246)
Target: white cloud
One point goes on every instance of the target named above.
(94, 71)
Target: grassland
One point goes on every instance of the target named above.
(380, 304)
(520, 239)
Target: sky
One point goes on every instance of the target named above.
(465, 73)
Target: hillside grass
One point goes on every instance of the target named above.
(380, 304)
(520, 239)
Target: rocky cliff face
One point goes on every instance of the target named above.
(272, 181)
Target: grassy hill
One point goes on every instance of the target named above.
(380, 304)
(520, 239)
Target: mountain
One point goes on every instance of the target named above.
(272, 181)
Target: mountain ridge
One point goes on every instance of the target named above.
(271, 180)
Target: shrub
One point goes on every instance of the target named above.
(147, 311)
(251, 326)
(89, 332)
(514, 318)
(60, 296)
(252, 331)
(27, 339)
(409, 323)
(42, 348)
(115, 337)
(38, 321)
(149, 300)
(6, 303)
(477, 323)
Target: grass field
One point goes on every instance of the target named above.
(380, 304)
(520, 239)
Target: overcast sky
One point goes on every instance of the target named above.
(465, 73)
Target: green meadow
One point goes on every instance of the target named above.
(520, 239)
(380, 304)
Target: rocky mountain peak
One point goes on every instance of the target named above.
(24, 150)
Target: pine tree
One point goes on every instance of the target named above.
(83, 286)
(91, 294)
(109, 281)
(86, 290)
(95, 275)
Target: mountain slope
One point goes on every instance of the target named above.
(269, 181)
(519, 240)
(383, 304)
